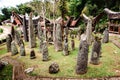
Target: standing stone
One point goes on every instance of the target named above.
(45, 53)
(65, 47)
(17, 37)
(72, 42)
(96, 51)
(12, 32)
(66, 31)
(14, 49)
(106, 36)
(8, 42)
(54, 68)
(22, 50)
(32, 54)
(82, 59)
(32, 40)
(88, 29)
(25, 32)
(58, 46)
(40, 36)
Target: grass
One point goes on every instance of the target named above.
(109, 62)
(3, 49)
(6, 73)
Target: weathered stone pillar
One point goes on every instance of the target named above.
(96, 51)
(17, 37)
(32, 40)
(65, 47)
(82, 59)
(25, 32)
(72, 42)
(12, 32)
(58, 40)
(8, 42)
(22, 50)
(40, 36)
(106, 36)
(32, 54)
(45, 53)
(14, 49)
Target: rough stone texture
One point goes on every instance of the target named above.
(12, 32)
(54, 68)
(72, 43)
(65, 47)
(32, 40)
(40, 36)
(32, 54)
(96, 51)
(106, 36)
(58, 46)
(89, 31)
(8, 42)
(14, 49)
(45, 54)
(17, 37)
(82, 59)
(25, 32)
(66, 31)
(22, 50)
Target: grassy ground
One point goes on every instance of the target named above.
(109, 62)
(6, 73)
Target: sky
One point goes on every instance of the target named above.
(11, 3)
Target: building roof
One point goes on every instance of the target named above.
(112, 14)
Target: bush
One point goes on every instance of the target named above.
(1, 30)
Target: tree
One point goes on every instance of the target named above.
(24, 9)
(6, 12)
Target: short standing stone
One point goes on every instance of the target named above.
(54, 68)
(14, 49)
(72, 43)
(106, 36)
(8, 42)
(32, 54)
(96, 51)
(45, 53)
(82, 59)
(65, 47)
(22, 50)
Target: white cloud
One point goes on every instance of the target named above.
(13, 3)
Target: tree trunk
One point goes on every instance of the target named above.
(82, 59)
(96, 50)
(25, 32)
(32, 40)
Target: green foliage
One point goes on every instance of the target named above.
(1, 30)
(6, 73)
(6, 12)
(63, 8)
(24, 9)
